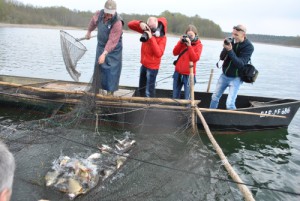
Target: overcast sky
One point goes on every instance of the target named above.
(260, 16)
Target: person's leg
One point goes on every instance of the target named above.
(177, 85)
(151, 81)
(143, 80)
(187, 87)
(234, 87)
(220, 88)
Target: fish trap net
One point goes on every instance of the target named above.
(82, 147)
(72, 51)
(63, 158)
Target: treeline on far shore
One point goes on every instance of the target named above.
(14, 12)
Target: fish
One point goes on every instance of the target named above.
(105, 149)
(64, 161)
(51, 177)
(74, 188)
(125, 147)
(120, 161)
(94, 156)
(121, 141)
(107, 172)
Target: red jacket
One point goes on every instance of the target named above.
(192, 54)
(153, 49)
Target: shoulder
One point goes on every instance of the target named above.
(246, 44)
(119, 19)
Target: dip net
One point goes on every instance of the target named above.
(71, 142)
(72, 51)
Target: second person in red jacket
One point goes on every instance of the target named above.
(154, 41)
(189, 48)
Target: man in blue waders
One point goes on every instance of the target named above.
(108, 62)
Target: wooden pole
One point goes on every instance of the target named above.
(209, 81)
(192, 95)
(100, 96)
(241, 112)
(245, 191)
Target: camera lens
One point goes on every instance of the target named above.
(144, 37)
(227, 41)
(184, 39)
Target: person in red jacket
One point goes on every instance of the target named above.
(153, 46)
(189, 48)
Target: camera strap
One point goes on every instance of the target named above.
(181, 53)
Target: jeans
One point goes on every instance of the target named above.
(180, 80)
(234, 84)
(147, 81)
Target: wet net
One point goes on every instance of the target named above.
(74, 143)
(72, 51)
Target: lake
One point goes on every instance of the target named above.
(269, 159)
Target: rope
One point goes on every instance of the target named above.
(96, 126)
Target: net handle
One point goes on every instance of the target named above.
(83, 38)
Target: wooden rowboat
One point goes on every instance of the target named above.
(127, 109)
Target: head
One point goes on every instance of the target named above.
(152, 23)
(110, 8)
(239, 33)
(7, 169)
(191, 31)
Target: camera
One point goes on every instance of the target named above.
(184, 38)
(157, 32)
(228, 40)
(144, 37)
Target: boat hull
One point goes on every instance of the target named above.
(151, 115)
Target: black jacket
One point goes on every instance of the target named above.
(236, 58)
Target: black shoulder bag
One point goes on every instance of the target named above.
(174, 62)
(249, 73)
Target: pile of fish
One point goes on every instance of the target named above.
(77, 175)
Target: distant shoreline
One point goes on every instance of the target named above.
(42, 26)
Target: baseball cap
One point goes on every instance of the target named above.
(110, 7)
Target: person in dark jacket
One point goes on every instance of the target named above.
(108, 63)
(189, 47)
(236, 54)
(153, 46)
(7, 170)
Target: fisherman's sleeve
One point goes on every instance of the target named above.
(93, 22)
(114, 36)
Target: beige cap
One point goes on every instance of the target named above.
(110, 7)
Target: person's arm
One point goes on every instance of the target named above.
(92, 25)
(158, 45)
(195, 52)
(114, 37)
(245, 55)
(178, 48)
(135, 26)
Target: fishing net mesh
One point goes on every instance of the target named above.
(167, 161)
(72, 51)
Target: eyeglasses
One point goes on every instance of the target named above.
(238, 28)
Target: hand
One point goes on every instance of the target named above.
(227, 47)
(144, 26)
(188, 43)
(149, 34)
(88, 35)
(102, 58)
